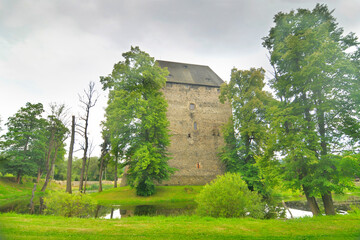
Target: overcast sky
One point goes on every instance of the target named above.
(50, 50)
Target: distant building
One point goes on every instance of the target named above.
(196, 117)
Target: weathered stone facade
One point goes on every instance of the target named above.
(196, 116)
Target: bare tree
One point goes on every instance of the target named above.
(91, 149)
(69, 166)
(88, 100)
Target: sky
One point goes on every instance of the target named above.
(51, 50)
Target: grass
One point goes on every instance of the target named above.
(14, 226)
(164, 194)
(10, 191)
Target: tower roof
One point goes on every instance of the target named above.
(191, 74)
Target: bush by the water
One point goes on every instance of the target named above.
(69, 205)
(228, 196)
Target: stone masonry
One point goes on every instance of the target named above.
(196, 117)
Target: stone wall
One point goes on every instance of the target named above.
(196, 117)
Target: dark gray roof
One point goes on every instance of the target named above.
(191, 74)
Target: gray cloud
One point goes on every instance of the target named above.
(50, 50)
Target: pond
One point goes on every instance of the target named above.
(297, 209)
(115, 211)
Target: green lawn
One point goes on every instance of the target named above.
(14, 226)
(10, 191)
(164, 194)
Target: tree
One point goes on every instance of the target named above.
(136, 119)
(25, 130)
(56, 147)
(105, 151)
(247, 134)
(314, 78)
(69, 165)
(88, 101)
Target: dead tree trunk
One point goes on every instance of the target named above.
(88, 102)
(69, 166)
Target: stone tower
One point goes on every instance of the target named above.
(196, 116)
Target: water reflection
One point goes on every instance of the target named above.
(297, 208)
(146, 210)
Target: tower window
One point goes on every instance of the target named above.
(198, 165)
(195, 126)
(192, 106)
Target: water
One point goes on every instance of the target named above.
(115, 211)
(297, 208)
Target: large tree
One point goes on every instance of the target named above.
(136, 119)
(247, 135)
(315, 75)
(25, 131)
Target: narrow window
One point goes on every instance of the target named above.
(198, 165)
(189, 135)
(195, 126)
(192, 106)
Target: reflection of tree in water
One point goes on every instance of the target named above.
(145, 210)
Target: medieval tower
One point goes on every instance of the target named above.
(196, 116)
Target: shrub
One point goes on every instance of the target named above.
(69, 205)
(229, 196)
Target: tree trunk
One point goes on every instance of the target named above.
(115, 172)
(81, 186)
(101, 173)
(86, 174)
(38, 175)
(312, 203)
(32, 209)
(18, 178)
(328, 204)
(48, 174)
(69, 166)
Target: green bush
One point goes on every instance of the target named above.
(69, 205)
(229, 196)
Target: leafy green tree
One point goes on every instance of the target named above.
(136, 119)
(315, 78)
(25, 133)
(247, 134)
(57, 135)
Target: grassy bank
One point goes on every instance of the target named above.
(164, 194)
(15, 226)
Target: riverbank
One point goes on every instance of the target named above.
(14, 226)
(164, 194)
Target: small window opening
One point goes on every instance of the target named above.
(189, 135)
(207, 79)
(192, 106)
(198, 165)
(185, 66)
(195, 126)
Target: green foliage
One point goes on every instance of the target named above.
(317, 116)
(229, 196)
(69, 205)
(247, 135)
(136, 119)
(22, 144)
